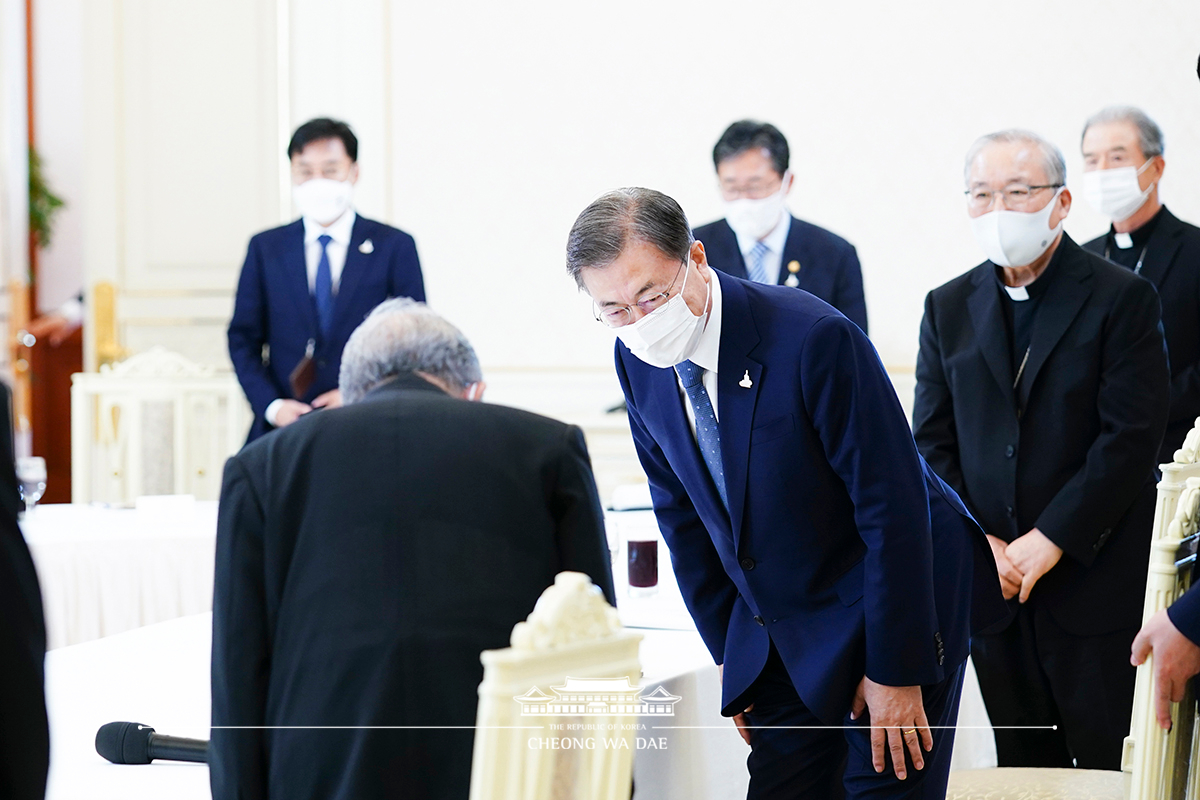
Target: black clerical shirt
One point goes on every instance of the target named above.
(1133, 256)
(1020, 306)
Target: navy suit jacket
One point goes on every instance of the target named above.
(275, 308)
(829, 265)
(840, 544)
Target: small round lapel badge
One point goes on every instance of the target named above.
(793, 281)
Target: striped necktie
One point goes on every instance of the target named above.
(758, 273)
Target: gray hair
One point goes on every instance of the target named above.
(603, 230)
(402, 335)
(1150, 136)
(1052, 157)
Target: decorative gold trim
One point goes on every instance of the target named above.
(103, 299)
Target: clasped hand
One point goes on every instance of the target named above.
(1022, 562)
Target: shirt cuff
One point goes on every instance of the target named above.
(273, 411)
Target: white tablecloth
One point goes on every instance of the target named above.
(159, 676)
(105, 570)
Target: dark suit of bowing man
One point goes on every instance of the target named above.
(819, 556)
(306, 286)
(368, 554)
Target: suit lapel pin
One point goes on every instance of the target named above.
(366, 248)
(745, 382)
(792, 280)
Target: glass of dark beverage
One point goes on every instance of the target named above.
(643, 567)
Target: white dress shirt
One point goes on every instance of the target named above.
(339, 231)
(775, 241)
(708, 353)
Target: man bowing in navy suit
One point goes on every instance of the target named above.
(833, 576)
(307, 285)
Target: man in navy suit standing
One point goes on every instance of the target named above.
(833, 576)
(760, 240)
(307, 285)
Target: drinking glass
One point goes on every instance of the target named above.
(31, 476)
(643, 567)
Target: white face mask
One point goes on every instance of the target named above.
(1115, 193)
(323, 200)
(754, 219)
(668, 335)
(1016, 238)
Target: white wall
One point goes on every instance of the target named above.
(511, 117)
(58, 115)
(487, 127)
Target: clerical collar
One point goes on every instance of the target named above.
(1137, 238)
(1033, 290)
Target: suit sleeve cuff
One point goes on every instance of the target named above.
(272, 412)
(1185, 615)
(1076, 547)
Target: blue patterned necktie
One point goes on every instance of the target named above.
(756, 270)
(708, 437)
(323, 286)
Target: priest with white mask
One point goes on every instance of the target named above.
(1042, 394)
(306, 286)
(1123, 166)
(760, 240)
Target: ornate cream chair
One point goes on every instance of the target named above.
(1154, 765)
(557, 709)
(155, 423)
(1160, 763)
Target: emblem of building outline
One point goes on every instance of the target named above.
(597, 697)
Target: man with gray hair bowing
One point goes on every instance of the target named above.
(366, 555)
(1042, 395)
(833, 576)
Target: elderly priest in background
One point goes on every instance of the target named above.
(1122, 168)
(368, 554)
(829, 571)
(1042, 393)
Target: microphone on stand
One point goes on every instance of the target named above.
(134, 743)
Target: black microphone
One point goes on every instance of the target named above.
(134, 743)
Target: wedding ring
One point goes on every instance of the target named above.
(907, 732)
